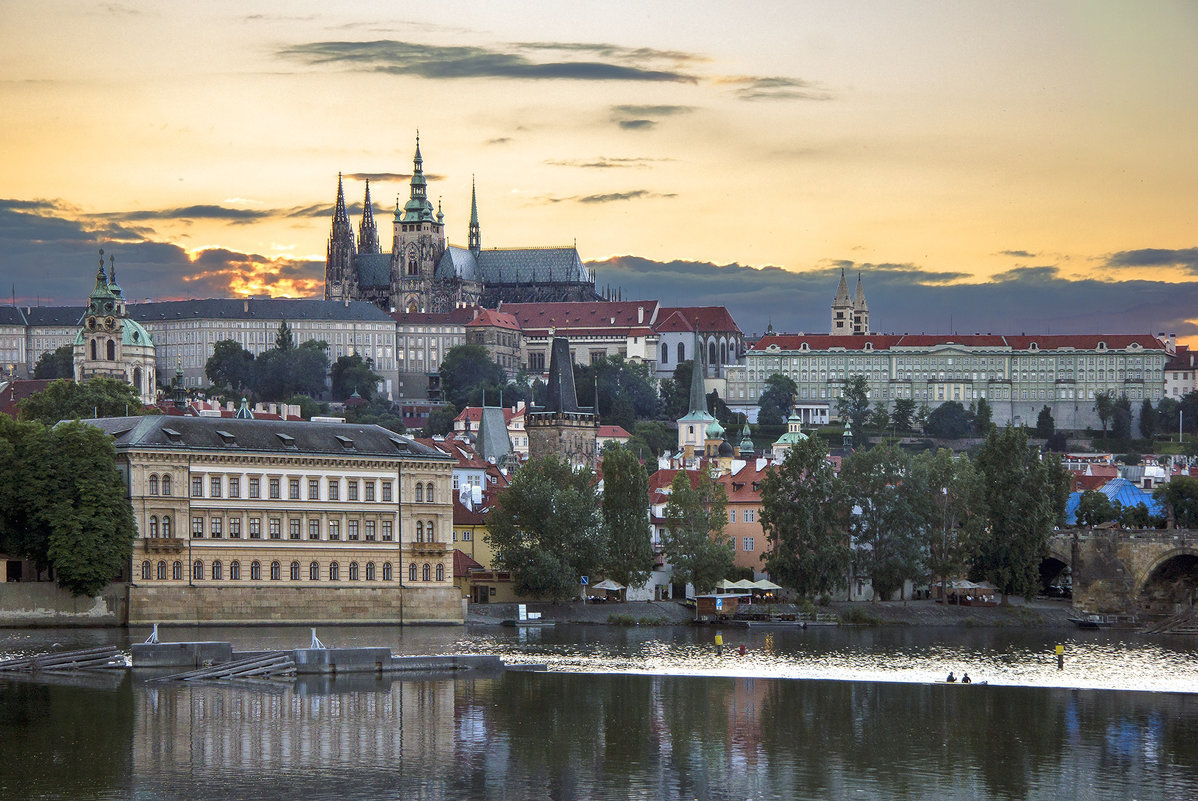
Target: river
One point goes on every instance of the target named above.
(628, 713)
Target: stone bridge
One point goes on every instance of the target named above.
(1151, 572)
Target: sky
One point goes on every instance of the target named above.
(986, 167)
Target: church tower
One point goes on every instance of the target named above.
(418, 244)
(474, 236)
(860, 310)
(692, 427)
(340, 276)
(368, 232)
(110, 343)
(842, 310)
(562, 427)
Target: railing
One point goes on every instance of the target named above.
(163, 544)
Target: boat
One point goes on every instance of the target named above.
(528, 623)
(1092, 621)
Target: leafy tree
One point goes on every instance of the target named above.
(1104, 404)
(352, 374)
(654, 436)
(1025, 497)
(1180, 498)
(309, 407)
(719, 410)
(546, 529)
(1058, 442)
(949, 420)
(982, 418)
(1094, 508)
(1045, 425)
(440, 421)
(380, 412)
(230, 365)
(853, 403)
(920, 419)
(903, 414)
(466, 372)
(675, 392)
(285, 371)
(803, 516)
(1148, 421)
(1136, 515)
(626, 391)
(97, 397)
(626, 518)
(283, 338)
(58, 363)
(777, 400)
(310, 366)
(1121, 419)
(885, 522)
(951, 506)
(694, 541)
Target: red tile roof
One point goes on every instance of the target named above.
(496, 319)
(463, 564)
(613, 431)
(584, 317)
(16, 391)
(704, 318)
(675, 322)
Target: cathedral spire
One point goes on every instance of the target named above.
(475, 237)
(698, 395)
(368, 232)
(842, 309)
(418, 208)
(340, 215)
(859, 302)
(842, 292)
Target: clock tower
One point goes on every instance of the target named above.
(110, 343)
(418, 245)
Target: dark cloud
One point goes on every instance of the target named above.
(196, 212)
(650, 111)
(447, 62)
(750, 87)
(1156, 257)
(636, 125)
(380, 176)
(612, 197)
(499, 140)
(907, 299)
(613, 51)
(603, 162)
(1018, 254)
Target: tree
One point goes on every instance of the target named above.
(777, 400)
(310, 366)
(283, 338)
(853, 403)
(626, 518)
(1180, 498)
(1045, 425)
(653, 436)
(879, 419)
(58, 363)
(545, 528)
(694, 541)
(949, 420)
(1025, 496)
(380, 412)
(903, 414)
(1094, 508)
(230, 365)
(466, 372)
(885, 522)
(1148, 421)
(96, 397)
(951, 507)
(287, 370)
(309, 407)
(1121, 419)
(719, 410)
(982, 418)
(675, 392)
(625, 390)
(1104, 404)
(440, 421)
(352, 374)
(803, 516)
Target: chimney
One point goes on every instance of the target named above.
(640, 314)
(245, 305)
(1172, 342)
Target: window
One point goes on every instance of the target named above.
(429, 532)
(334, 571)
(216, 571)
(426, 573)
(370, 525)
(197, 487)
(274, 489)
(428, 491)
(215, 527)
(274, 571)
(234, 487)
(234, 571)
(153, 525)
(386, 571)
(748, 543)
(440, 572)
(214, 487)
(255, 487)
(314, 489)
(276, 528)
(293, 489)
(255, 528)
(197, 527)
(295, 571)
(353, 530)
(197, 570)
(162, 571)
(334, 529)
(386, 492)
(353, 571)
(145, 571)
(419, 492)
(387, 532)
(313, 572)
(466, 536)
(351, 491)
(177, 571)
(153, 485)
(369, 489)
(732, 516)
(166, 485)
(166, 526)
(234, 528)
(313, 529)
(412, 572)
(370, 571)
(255, 570)
(334, 489)
(419, 531)
(293, 528)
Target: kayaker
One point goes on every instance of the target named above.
(951, 678)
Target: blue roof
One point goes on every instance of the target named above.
(1117, 489)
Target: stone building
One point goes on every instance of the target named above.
(253, 521)
(850, 316)
(112, 344)
(562, 427)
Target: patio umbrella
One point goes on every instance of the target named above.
(766, 584)
(608, 584)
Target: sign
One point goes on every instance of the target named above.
(522, 611)
(719, 604)
(585, 580)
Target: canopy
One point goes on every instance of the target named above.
(725, 584)
(743, 584)
(608, 584)
(766, 584)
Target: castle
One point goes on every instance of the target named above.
(422, 273)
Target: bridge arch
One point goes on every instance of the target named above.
(1170, 579)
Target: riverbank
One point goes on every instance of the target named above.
(1040, 613)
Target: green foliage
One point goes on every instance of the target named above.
(230, 366)
(653, 436)
(352, 374)
(859, 616)
(951, 507)
(1104, 404)
(879, 419)
(545, 528)
(1148, 420)
(285, 371)
(982, 418)
(853, 403)
(64, 504)
(283, 338)
(96, 397)
(1045, 425)
(720, 411)
(626, 518)
(1121, 419)
(309, 407)
(466, 373)
(949, 420)
(694, 542)
(675, 392)
(903, 414)
(1095, 508)
(777, 400)
(626, 391)
(1180, 497)
(440, 421)
(58, 363)
(803, 516)
(379, 411)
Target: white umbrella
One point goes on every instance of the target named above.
(743, 584)
(766, 584)
(725, 584)
(608, 584)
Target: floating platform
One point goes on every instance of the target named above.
(528, 624)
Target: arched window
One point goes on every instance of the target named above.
(428, 492)
(145, 571)
(234, 571)
(681, 353)
(426, 573)
(166, 485)
(334, 571)
(665, 353)
(412, 572)
(386, 571)
(217, 571)
(723, 353)
(137, 378)
(419, 492)
(153, 525)
(314, 572)
(153, 485)
(275, 572)
(166, 525)
(295, 571)
(353, 571)
(440, 572)
(429, 532)
(162, 571)
(419, 529)
(712, 355)
(110, 350)
(94, 351)
(370, 571)
(197, 571)
(255, 570)
(177, 571)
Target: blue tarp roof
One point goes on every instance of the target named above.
(1117, 489)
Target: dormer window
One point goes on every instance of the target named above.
(288, 441)
(346, 442)
(172, 434)
(226, 437)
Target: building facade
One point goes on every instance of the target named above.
(243, 520)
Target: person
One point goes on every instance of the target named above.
(951, 678)
(742, 650)
(965, 679)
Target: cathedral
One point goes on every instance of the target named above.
(849, 316)
(422, 273)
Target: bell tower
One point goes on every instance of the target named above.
(418, 244)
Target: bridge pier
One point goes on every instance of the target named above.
(1129, 571)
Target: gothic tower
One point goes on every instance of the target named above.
(340, 276)
(860, 310)
(692, 426)
(474, 236)
(562, 427)
(418, 244)
(842, 310)
(368, 232)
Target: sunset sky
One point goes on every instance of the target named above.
(1005, 167)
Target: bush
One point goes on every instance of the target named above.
(825, 600)
(628, 620)
(856, 615)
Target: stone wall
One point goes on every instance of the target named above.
(44, 603)
(213, 605)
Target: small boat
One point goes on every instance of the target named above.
(1092, 621)
(536, 623)
(963, 683)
